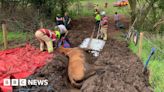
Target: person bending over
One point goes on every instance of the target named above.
(48, 37)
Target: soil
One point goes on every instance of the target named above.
(123, 74)
(123, 71)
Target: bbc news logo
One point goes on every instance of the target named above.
(24, 82)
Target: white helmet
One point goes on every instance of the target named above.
(103, 13)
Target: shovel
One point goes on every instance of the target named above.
(88, 46)
(147, 62)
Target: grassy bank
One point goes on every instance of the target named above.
(86, 8)
(156, 63)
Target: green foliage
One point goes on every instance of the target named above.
(51, 6)
(148, 13)
(86, 8)
(161, 4)
(15, 36)
(46, 7)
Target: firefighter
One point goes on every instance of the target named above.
(104, 25)
(63, 32)
(62, 29)
(97, 19)
(48, 37)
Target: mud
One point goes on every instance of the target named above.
(54, 72)
(122, 74)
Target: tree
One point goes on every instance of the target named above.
(133, 9)
(144, 9)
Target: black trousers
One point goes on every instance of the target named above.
(97, 25)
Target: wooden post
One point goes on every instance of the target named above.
(4, 29)
(140, 44)
(41, 24)
(106, 5)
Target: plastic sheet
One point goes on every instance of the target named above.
(96, 45)
(20, 63)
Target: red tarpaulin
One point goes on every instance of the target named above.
(20, 63)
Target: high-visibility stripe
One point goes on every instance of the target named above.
(50, 33)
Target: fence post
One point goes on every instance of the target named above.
(106, 5)
(41, 24)
(140, 44)
(4, 29)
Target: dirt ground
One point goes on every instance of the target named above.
(122, 74)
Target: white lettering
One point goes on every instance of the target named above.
(35, 82)
(30, 82)
(40, 82)
(6, 82)
(14, 82)
(22, 82)
(45, 82)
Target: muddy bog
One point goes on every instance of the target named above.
(123, 71)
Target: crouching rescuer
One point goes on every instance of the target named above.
(48, 37)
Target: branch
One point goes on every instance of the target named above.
(158, 23)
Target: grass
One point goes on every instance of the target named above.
(14, 36)
(156, 63)
(87, 8)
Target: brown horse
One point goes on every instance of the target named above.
(78, 69)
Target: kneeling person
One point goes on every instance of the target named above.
(62, 29)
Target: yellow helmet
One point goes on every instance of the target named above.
(57, 34)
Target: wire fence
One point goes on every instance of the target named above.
(18, 32)
(15, 36)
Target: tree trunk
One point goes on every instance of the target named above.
(63, 7)
(132, 4)
(142, 15)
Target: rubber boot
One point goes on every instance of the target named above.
(49, 46)
(104, 31)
